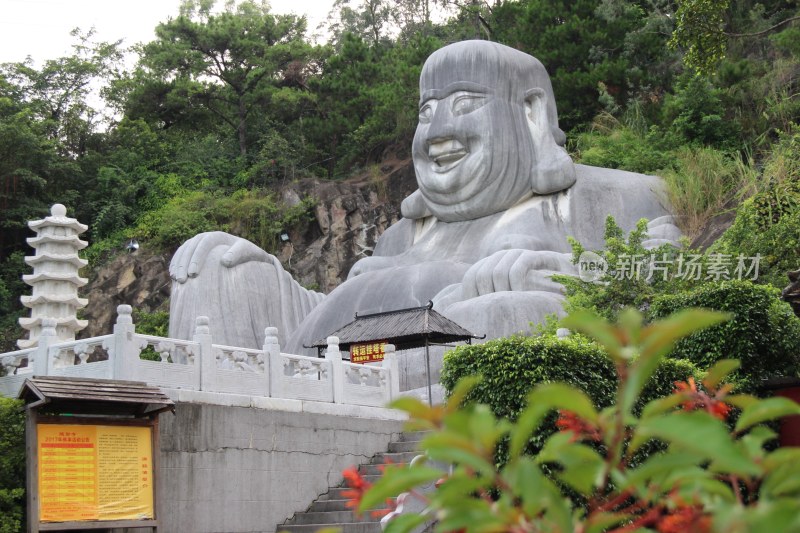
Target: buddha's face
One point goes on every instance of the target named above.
(472, 152)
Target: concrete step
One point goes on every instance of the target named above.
(396, 458)
(373, 470)
(350, 527)
(329, 517)
(404, 446)
(413, 436)
(331, 510)
(322, 506)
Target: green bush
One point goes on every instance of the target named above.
(767, 224)
(764, 334)
(611, 144)
(12, 466)
(511, 367)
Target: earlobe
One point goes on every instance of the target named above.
(554, 170)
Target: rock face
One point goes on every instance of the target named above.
(138, 279)
(350, 215)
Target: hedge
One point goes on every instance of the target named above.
(12, 466)
(510, 367)
(764, 333)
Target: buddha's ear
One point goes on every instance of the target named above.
(536, 112)
(554, 170)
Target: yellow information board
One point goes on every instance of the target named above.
(94, 472)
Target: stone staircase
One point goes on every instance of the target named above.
(330, 509)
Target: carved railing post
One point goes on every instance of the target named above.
(125, 354)
(206, 359)
(47, 336)
(272, 352)
(391, 365)
(333, 355)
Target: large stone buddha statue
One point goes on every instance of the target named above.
(498, 196)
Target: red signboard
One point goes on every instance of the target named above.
(367, 352)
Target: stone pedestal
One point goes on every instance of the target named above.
(55, 279)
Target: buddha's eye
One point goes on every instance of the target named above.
(468, 103)
(425, 113)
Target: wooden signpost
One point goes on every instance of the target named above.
(92, 449)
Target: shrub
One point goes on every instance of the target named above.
(707, 477)
(764, 333)
(12, 466)
(509, 368)
(613, 145)
(767, 224)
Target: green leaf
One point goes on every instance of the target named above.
(601, 522)
(530, 419)
(461, 390)
(456, 449)
(472, 514)
(654, 469)
(701, 434)
(720, 371)
(657, 340)
(742, 401)
(582, 466)
(414, 407)
(596, 327)
(765, 410)
(405, 523)
(567, 397)
(660, 406)
(396, 480)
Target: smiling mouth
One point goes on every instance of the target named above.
(446, 154)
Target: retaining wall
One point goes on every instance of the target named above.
(234, 463)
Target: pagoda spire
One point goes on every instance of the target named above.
(55, 279)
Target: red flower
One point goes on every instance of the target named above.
(685, 520)
(581, 429)
(358, 486)
(700, 400)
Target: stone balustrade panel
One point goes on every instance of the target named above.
(177, 369)
(239, 371)
(365, 384)
(299, 377)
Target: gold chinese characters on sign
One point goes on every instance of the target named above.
(89, 472)
(367, 352)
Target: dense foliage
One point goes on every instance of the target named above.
(710, 473)
(763, 333)
(12, 466)
(510, 368)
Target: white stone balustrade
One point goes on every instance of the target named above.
(201, 365)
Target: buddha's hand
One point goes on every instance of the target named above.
(192, 255)
(516, 270)
(662, 230)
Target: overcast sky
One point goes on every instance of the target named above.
(40, 28)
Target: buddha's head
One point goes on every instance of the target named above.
(488, 133)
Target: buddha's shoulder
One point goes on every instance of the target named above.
(591, 180)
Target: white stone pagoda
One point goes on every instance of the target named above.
(55, 279)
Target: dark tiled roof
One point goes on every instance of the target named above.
(405, 328)
(96, 396)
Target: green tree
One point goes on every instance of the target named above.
(228, 63)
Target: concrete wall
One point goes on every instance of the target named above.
(244, 464)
